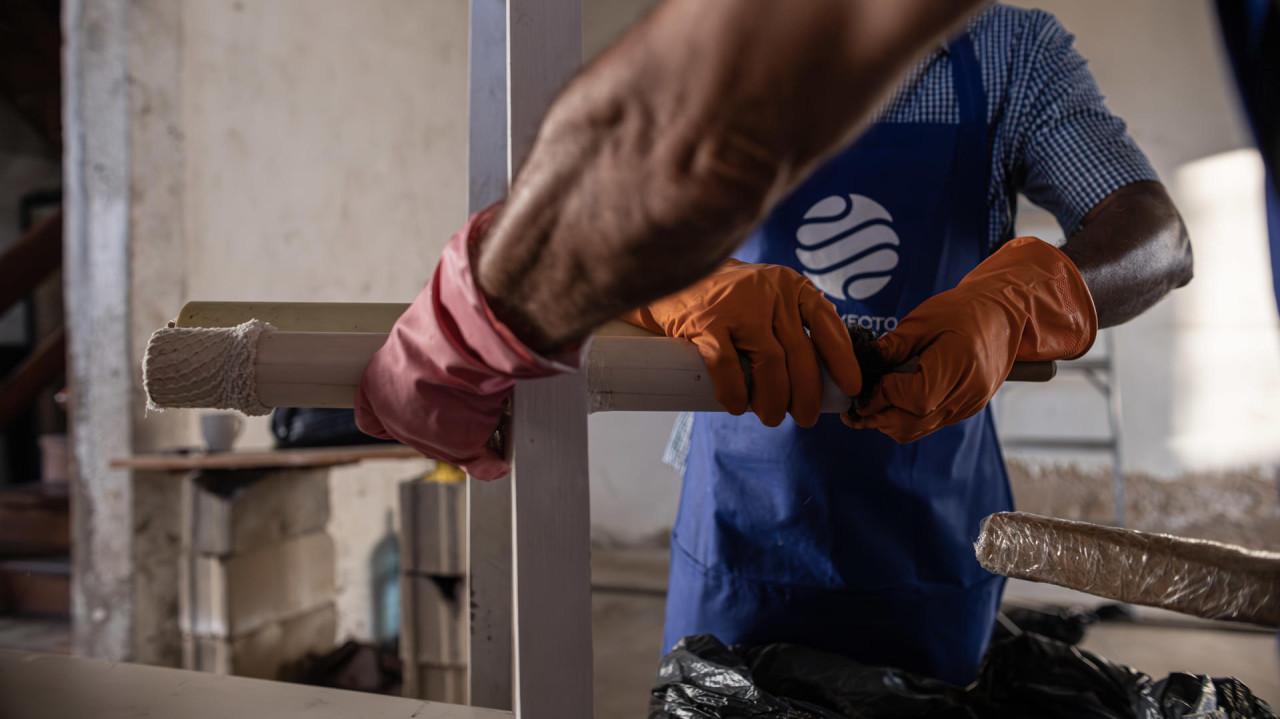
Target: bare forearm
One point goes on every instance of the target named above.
(1132, 249)
(659, 159)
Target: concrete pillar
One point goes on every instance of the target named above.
(96, 171)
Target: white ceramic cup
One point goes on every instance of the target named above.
(219, 430)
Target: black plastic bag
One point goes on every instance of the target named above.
(310, 427)
(1065, 624)
(702, 679)
(1024, 675)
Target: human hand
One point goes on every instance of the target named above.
(441, 382)
(665, 152)
(761, 312)
(1027, 302)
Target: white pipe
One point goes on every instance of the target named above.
(624, 374)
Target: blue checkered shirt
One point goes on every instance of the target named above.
(1052, 137)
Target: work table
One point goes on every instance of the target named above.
(50, 686)
(263, 459)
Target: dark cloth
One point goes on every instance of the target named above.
(1251, 31)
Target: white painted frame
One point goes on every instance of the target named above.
(529, 534)
(489, 664)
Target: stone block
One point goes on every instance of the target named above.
(266, 652)
(232, 596)
(236, 512)
(158, 556)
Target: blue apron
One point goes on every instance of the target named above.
(843, 539)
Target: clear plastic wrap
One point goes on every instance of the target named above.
(1192, 576)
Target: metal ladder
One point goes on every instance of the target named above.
(1101, 374)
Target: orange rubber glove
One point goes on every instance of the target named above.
(760, 311)
(1027, 302)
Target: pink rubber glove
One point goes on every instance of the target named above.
(441, 382)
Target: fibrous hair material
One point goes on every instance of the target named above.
(204, 367)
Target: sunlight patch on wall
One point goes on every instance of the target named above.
(1227, 361)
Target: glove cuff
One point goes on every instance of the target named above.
(1064, 325)
(441, 381)
(462, 304)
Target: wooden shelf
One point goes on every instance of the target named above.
(264, 459)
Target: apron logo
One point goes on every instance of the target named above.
(847, 246)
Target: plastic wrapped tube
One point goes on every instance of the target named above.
(1192, 576)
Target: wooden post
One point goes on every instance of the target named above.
(489, 661)
(522, 52)
(549, 498)
(552, 535)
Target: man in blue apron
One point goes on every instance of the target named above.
(844, 539)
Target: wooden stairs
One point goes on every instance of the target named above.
(35, 517)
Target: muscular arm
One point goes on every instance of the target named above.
(656, 162)
(1132, 249)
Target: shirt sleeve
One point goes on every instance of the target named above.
(1069, 151)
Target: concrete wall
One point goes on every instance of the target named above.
(312, 151)
(316, 150)
(325, 161)
(293, 150)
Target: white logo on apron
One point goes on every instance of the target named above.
(827, 244)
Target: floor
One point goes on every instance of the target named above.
(628, 646)
(1161, 642)
(628, 605)
(34, 634)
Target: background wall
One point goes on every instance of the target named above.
(295, 150)
(316, 150)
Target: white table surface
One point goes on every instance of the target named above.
(51, 686)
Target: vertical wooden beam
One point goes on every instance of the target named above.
(544, 51)
(552, 555)
(529, 575)
(549, 496)
(487, 104)
(489, 660)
